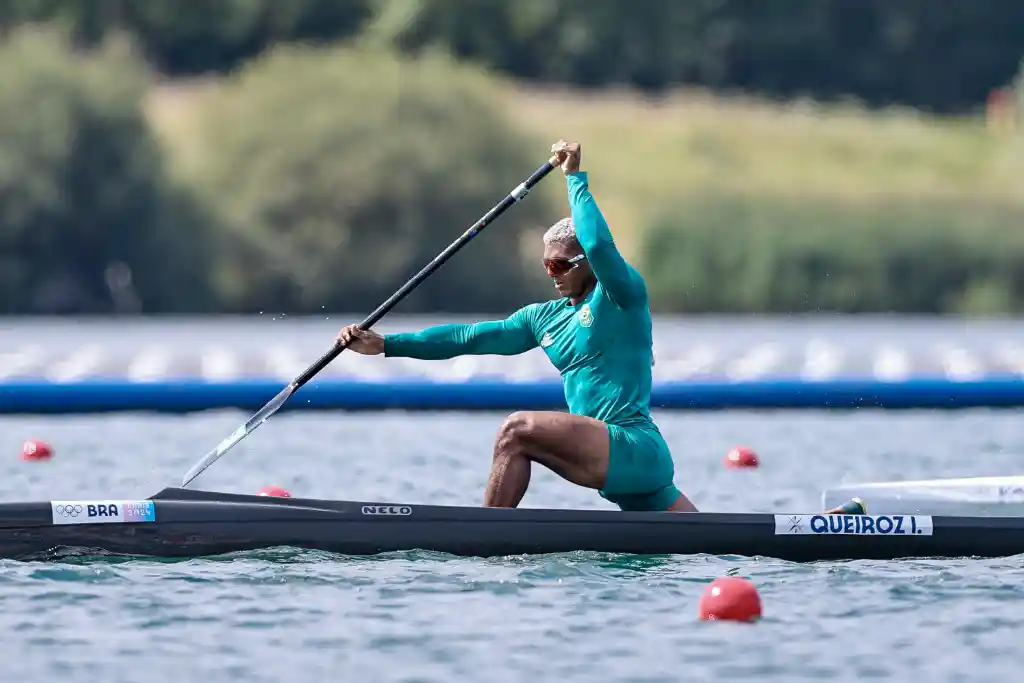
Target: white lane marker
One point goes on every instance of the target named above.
(754, 364)
(531, 366)
(697, 360)
(218, 363)
(150, 365)
(891, 364)
(284, 364)
(823, 360)
(1013, 357)
(79, 364)
(17, 362)
(960, 364)
(365, 368)
(464, 368)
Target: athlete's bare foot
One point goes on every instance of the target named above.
(854, 507)
(682, 504)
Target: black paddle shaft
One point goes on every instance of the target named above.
(517, 194)
(275, 403)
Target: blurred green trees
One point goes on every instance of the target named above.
(767, 254)
(879, 51)
(338, 152)
(325, 178)
(85, 199)
(339, 174)
(197, 36)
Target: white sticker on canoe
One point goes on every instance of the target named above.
(853, 525)
(102, 511)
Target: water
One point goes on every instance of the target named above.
(284, 615)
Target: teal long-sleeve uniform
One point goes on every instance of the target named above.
(602, 347)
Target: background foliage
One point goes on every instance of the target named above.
(339, 216)
(84, 190)
(244, 155)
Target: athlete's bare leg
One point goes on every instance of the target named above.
(574, 447)
(682, 504)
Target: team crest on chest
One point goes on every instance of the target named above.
(585, 316)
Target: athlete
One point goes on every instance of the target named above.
(598, 335)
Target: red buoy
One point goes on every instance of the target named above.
(730, 598)
(276, 491)
(741, 456)
(36, 449)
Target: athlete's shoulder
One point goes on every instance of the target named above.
(636, 283)
(544, 309)
(637, 277)
(532, 314)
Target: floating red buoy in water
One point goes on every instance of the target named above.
(36, 449)
(730, 598)
(274, 491)
(741, 456)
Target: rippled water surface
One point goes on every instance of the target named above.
(298, 616)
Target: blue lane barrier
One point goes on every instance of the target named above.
(187, 395)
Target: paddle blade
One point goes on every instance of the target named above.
(243, 431)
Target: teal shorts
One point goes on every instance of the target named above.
(640, 470)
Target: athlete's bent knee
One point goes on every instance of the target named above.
(515, 431)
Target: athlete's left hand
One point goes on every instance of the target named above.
(567, 155)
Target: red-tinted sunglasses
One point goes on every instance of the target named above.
(561, 266)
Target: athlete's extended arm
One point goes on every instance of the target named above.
(508, 337)
(622, 283)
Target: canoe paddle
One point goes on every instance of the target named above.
(275, 403)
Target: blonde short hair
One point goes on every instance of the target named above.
(562, 232)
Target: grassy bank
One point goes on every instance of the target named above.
(641, 153)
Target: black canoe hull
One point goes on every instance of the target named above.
(196, 523)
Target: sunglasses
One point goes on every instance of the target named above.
(561, 266)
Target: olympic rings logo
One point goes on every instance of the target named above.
(69, 510)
